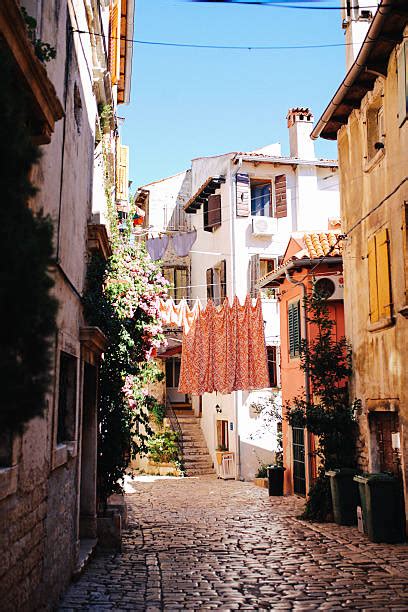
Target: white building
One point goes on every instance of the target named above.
(244, 207)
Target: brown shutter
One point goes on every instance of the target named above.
(223, 280)
(114, 43)
(213, 213)
(243, 195)
(281, 208)
(210, 283)
(254, 275)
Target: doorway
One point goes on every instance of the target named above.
(299, 472)
(87, 505)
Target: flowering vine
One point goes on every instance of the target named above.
(122, 299)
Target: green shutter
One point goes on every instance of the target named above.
(294, 328)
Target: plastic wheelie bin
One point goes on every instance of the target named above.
(345, 495)
(275, 479)
(382, 507)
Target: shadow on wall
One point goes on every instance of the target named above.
(179, 219)
(252, 457)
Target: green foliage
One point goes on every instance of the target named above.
(44, 51)
(27, 310)
(156, 410)
(121, 300)
(163, 447)
(262, 471)
(328, 414)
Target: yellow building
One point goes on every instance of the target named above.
(368, 116)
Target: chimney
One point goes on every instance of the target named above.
(357, 16)
(300, 124)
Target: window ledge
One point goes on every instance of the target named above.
(383, 324)
(370, 164)
(62, 453)
(8, 481)
(404, 311)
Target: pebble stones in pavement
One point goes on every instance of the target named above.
(208, 544)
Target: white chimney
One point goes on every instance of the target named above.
(300, 124)
(357, 16)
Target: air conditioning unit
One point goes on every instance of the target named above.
(264, 226)
(330, 287)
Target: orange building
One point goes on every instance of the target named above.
(310, 259)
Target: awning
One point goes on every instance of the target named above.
(201, 196)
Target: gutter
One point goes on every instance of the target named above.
(359, 65)
(288, 161)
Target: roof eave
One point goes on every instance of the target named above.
(298, 263)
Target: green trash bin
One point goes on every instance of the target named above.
(345, 495)
(382, 507)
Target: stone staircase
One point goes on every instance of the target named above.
(197, 460)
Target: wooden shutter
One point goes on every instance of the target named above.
(213, 213)
(294, 328)
(405, 245)
(383, 274)
(254, 274)
(402, 68)
(122, 173)
(372, 279)
(243, 193)
(223, 280)
(281, 207)
(272, 369)
(210, 283)
(114, 43)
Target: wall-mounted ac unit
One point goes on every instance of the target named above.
(330, 287)
(264, 226)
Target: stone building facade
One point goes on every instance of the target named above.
(48, 495)
(368, 116)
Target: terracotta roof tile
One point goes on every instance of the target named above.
(322, 244)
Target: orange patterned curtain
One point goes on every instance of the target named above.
(224, 350)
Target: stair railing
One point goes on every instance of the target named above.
(174, 424)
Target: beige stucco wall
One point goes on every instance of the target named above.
(380, 370)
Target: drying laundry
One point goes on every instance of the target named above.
(224, 350)
(178, 315)
(182, 243)
(156, 247)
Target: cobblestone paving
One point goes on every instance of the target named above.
(198, 544)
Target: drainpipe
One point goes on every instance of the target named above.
(237, 394)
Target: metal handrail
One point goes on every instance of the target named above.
(175, 425)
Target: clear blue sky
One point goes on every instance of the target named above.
(188, 103)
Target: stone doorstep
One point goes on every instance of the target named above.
(86, 552)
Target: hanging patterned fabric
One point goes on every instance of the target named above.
(177, 315)
(156, 247)
(183, 242)
(224, 350)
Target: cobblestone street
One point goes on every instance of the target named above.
(208, 544)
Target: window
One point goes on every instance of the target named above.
(403, 83)
(268, 197)
(212, 213)
(375, 129)
(173, 372)
(272, 365)
(178, 279)
(266, 266)
(67, 398)
(222, 434)
(216, 279)
(379, 276)
(294, 328)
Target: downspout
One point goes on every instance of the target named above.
(237, 394)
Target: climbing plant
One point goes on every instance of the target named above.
(27, 309)
(121, 299)
(328, 413)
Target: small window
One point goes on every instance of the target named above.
(261, 198)
(178, 279)
(272, 365)
(375, 130)
(222, 435)
(266, 266)
(173, 372)
(294, 329)
(67, 398)
(216, 278)
(379, 277)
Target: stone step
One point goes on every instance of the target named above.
(197, 462)
(200, 472)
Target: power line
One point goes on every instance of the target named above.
(282, 4)
(231, 47)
